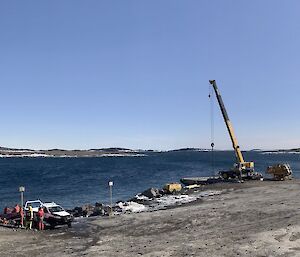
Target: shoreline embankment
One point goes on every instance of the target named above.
(257, 218)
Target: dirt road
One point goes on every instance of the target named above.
(250, 219)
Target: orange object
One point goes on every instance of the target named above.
(41, 215)
(22, 216)
(17, 208)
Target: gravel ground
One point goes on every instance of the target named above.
(250, 219)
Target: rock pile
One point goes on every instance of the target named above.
(89, 210)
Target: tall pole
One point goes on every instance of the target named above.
(110, 183)
(22, 199)
(22, 190)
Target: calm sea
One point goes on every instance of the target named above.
(77, 181)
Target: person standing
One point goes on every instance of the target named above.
(29, 217)
(41, 215)
(22, 216)
(17, 208)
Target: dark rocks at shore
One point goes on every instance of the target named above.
(99, 209)
(148, 196)
(89, 210)
(152, 193)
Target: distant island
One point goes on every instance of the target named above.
(102, 152)
(282, 151)
(190, 150)
(6, 152)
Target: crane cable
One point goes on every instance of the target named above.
(212, 128)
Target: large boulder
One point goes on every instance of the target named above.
(98, 210)
(152, 193)
(88, 210)
(98, 205)
(76, 212)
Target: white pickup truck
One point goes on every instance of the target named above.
(36, 204)
(54, 213)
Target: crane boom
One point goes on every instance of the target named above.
(241, 169)
(238, 153)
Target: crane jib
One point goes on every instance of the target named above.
(220, 100)
(236, 148)
(221, 103)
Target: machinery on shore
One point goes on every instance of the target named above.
(281, 171)
(241, 169)
(172, 188)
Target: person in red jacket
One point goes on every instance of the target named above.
(22, 216)
(40, 216)
(17, 208)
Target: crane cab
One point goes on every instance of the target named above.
(241, 170)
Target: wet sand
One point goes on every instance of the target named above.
(250, 219)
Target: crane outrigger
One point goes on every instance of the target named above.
(241, 169)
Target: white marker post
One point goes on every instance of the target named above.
(110, 184)
(22, 190)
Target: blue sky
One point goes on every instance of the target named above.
(85, 74)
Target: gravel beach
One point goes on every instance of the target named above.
(258, 218)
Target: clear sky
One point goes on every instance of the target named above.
(87, 74)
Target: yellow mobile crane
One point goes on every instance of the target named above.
(241, 168)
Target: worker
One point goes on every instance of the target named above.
(29, 217)
(22, 217)
(17, 208)
(41, 215)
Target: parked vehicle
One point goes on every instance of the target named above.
(280, 171)
(56, 215)
(36, 204)
(10, 216)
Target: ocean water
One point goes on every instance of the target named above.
(76, 181)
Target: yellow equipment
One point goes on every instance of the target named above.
(172, 188)
(241, 168)
(281, 171)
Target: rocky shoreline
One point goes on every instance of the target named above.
(152, 199)
(257, 218)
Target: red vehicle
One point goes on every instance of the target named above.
(11, 216)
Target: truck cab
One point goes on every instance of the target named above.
(35, 204)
